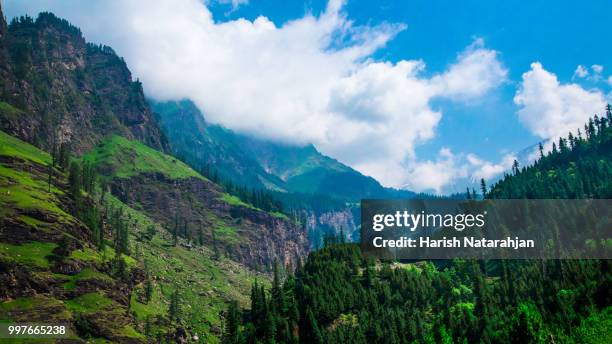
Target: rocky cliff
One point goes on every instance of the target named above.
(247, 235)
(57, 88)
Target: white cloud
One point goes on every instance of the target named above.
(487, 170)
(581, 72)
(441, 174)
(436, 174)
(550, 109)
(610, 80)
(476, 72)
(311, 80)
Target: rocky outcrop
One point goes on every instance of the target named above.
(68, 90)
(248, 235)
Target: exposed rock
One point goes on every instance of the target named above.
(69, 90)
(261, 237)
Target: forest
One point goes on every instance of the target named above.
(341, 296)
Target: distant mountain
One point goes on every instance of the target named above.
(263, 164)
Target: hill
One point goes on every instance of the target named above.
(577, 167)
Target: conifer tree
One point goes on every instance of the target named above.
(74, 180)
(483, 188)
(174, 310)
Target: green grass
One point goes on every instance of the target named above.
(129, 331)
(280, 215)
(87, 254)
(34, 309)
(13, 147)
(89, 303)
(226, 234)
(21, 303)
(233, 200)
(83, 275)
(24, 186)
(20, 189)
(31, 254)
(122, 158)
(90, 255)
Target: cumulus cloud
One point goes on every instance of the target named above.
(310, 80)
(476, 72)
(550, 109)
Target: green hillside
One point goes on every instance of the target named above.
(40, 241)
(205, 278)
(122, 158)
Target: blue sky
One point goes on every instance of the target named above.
(402, 108)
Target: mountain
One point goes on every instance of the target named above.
(263, 164)
(100, 228)
(56, 88)
(323, 192)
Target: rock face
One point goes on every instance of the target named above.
(332, 222)
(195, 206)
(57, 88)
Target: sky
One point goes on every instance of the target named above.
(425, 95)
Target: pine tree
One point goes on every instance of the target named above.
(541, 149)
(74, 180)
(278, 299)
(483, 188)
(174, 310)
(232, 323)
(148, 289)
(515, 167)
(147, 329)
(50, 176)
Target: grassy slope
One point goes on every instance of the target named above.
(119, 157)
(124, 158)
(24, 188)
